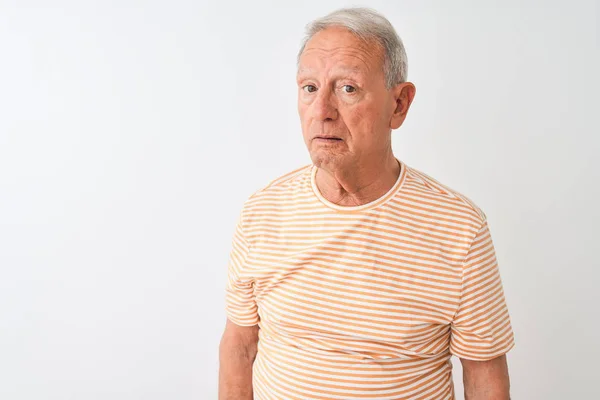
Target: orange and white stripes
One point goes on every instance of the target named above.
(365, 302)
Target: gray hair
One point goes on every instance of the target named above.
(367, 24)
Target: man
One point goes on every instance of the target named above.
(358, 276)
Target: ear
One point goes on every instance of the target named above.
(403, 93)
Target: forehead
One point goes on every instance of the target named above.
(340, 49)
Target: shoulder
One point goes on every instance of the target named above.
(433, 193)
(286, 179)
(279, 185)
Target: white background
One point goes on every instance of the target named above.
(131, 132)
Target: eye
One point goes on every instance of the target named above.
(309, 88)
(348, 89)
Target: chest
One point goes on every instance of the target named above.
(368, 277)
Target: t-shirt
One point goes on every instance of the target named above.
(368, 301)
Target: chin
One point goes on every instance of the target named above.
(327, 160)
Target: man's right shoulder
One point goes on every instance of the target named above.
(280, 182)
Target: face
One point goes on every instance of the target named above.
(346, 111)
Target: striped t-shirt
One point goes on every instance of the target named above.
(368, 301)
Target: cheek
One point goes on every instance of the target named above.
(365, 124)
(374, 116)
(357, 120)
(301, 111)
(304, 120)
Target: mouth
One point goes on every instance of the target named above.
(328, 138)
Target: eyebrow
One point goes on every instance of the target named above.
(337, 71)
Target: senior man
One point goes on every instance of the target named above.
(357, 276)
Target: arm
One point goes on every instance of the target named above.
(237, 351)
(481, 330)
(486, 380)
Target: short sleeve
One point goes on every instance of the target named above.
(481, 329)
(240, 302)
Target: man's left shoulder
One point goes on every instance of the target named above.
(431, 189)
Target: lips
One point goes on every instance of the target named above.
(328, 137)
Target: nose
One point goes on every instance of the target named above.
(324, 107)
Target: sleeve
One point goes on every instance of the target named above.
(240, 302)
(481, 328)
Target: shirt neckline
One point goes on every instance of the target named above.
(367, 206)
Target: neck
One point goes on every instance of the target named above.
(359, 185)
